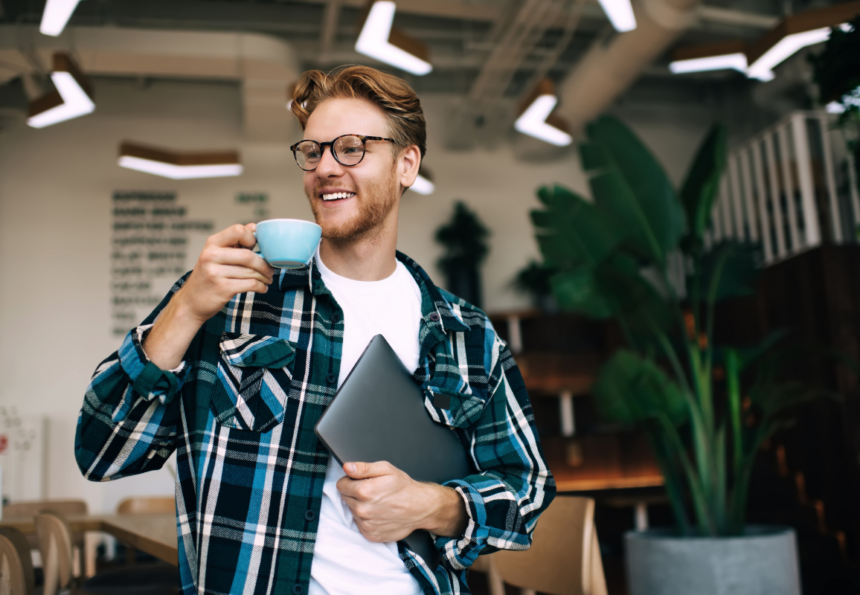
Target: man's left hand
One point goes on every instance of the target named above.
(388, 505)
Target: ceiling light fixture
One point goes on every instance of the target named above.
(719, 56)
(179, 166)
(73, 96)
(758, 60)
(379, 40)
(620, 14)
(55, 16)
(762, 67)
(536, 118)
(424, 182)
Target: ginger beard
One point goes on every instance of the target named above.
(374, 202)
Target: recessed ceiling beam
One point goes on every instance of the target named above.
(329, 25)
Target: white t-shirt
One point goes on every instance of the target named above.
(344, 561)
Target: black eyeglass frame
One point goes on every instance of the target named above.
(362, 137)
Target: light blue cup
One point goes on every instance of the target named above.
(288, 243)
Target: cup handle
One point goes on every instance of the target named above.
(260, 253)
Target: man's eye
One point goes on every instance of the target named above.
(312, 154)
(351, 150)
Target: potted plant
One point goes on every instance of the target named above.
(533, 280)
(464, 239)
(612, 256)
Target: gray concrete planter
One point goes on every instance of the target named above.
(762, 562)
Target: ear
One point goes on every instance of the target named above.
(408, 163)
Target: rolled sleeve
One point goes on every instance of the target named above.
(147, 379)
(513, 485)
(461, 552)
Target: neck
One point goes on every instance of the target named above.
(370, 258)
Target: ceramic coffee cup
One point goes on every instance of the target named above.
(288, 243)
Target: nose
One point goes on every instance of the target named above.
(328, 165)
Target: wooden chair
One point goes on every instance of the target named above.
(55, 546)
(30, 508)
(22, 546)
(12, 578)
(564, 558)
(144, 505)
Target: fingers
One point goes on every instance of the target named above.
(360, 490)
(246, 286)
(240, 258)
(236, 272)
(367, 470)
(235, 235)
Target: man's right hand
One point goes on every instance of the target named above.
(226, 267)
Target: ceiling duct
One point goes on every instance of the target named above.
(611, 66)
(486, 112)
(265, 66)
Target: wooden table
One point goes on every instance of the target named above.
(154, 534)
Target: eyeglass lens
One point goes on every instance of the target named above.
(348, 150)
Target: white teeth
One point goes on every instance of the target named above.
(337, 195)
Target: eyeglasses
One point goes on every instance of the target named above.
(347, 150)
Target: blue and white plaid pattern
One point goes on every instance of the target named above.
(240, 411)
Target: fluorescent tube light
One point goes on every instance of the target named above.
(57, 13)
(179, 166)
(620, 14)
(762, 68)
(71, 99)
(533, 122)
(180, 172)
(834, 107)
(423, 185)
(737, 61)
(373, 41)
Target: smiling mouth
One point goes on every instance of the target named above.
(336, 196)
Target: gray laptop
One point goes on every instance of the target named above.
(378, 414)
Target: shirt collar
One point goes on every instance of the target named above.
(439, 313)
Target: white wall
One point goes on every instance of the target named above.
(55, 230)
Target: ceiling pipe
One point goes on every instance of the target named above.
(611, 66)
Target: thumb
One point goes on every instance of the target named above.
(359, 470)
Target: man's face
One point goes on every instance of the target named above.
(372, 187)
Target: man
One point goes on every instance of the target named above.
(235, 366)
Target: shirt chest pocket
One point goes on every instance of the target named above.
(254, 377)
(452, 409)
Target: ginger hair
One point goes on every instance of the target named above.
(391, 94)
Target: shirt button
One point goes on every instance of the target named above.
(335, 317)
(316, 275)
(434, 317)
(331, 378)
(298, 589)
(310, 515)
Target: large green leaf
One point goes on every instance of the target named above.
(630, 389)
(613, 288)
(642, 306)
(729, 270)
(572, 231)
(580, 291)
(703, 181)
(628, 182)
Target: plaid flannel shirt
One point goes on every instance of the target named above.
(240, 412)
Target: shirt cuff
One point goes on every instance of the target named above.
(461, 552)
(148, 380)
